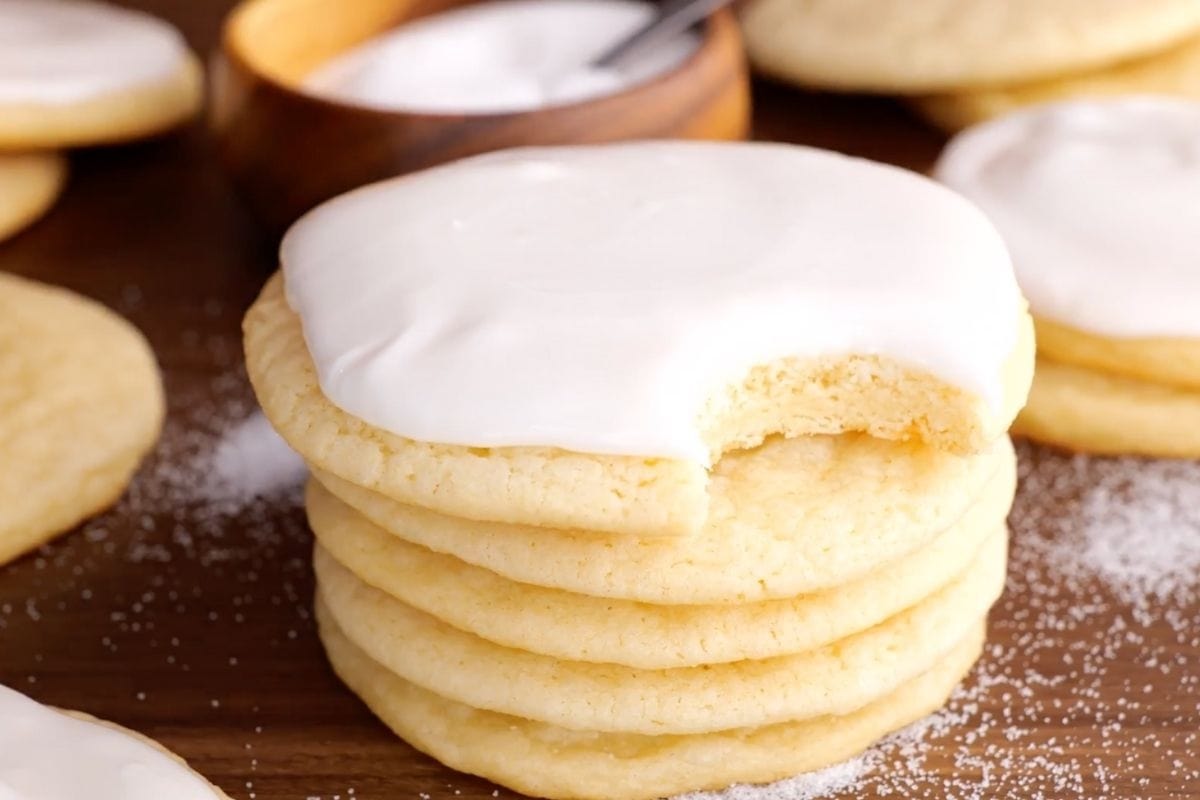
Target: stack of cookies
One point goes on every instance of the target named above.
(1098, 202)
(647, 468)
(964, 61)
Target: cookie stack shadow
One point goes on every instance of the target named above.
(836, 590)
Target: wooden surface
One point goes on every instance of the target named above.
(194, 627)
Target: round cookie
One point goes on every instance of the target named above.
(864, 502)
(576, 627)
(949, 45)
(532, 486)
(547, 761)
(29, 185)
(80, 404)
(1172, 361)
(64, 755)
(836, 679)
(77, 72)
(1083, 409)
(537, 360)
(1174, 72)
(1096, 199)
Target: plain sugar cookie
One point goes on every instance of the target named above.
(838, 678)
(865, 502)
(78, 72)
(1173, 361)
(80, 404)
(543, 760)
(925, 46)
(577, 627)
(1175, 72)
(50, 754)
(1097, 412)
(29, 185)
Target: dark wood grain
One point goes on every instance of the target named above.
(196, 628)
(289, 151)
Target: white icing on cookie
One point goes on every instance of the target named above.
(593, 298)
(509, 55)
(48, 755)
(66, 51)
(1099, 202)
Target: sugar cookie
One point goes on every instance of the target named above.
(546, 761)
(1097, 200)
(1096, 412)
(835, 679)
(80, 72)
(581, 628)
(619, 368)
(864, 503)
(50, 754)
(1174, 361)
(80, 405)
(29, 185)
(1174, 72)
(947, 45)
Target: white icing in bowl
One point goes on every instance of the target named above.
(504, 56)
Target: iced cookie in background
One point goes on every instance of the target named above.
(1098, 203)
(1175, 72)
(625, 487)
(556, 434)
(81, 403)
(75, 73)
(935, 46)
(50, 754)
(29, 185)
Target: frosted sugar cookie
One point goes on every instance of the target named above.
(946, 45)
(49, 754)
(1097, 200)
(29, 185)
(1174, 72)
(1098, 412)
(548, 761)
(581, 628)
(80, 405)
(835, 679)
(545, 337)
(862, 503)
(80, 72)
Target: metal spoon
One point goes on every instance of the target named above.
(673, 18)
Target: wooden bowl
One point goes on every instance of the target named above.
(288, 150)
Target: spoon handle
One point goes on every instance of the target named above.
(673, 18)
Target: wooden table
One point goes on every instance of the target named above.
(194, 627)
